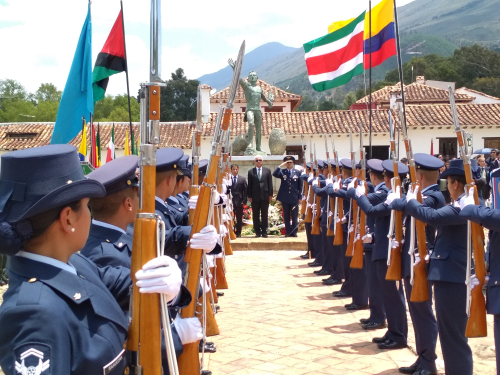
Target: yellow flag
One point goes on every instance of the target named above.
(338, 25)
(83, 144)
(126, 151)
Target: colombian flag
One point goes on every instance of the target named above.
(383, 41)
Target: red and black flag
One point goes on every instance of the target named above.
(110, 60)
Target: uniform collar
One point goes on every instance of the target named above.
(379, 185)
(107, 225)
(174, 199)
(432, 187)
(114, 235)
(161, 201)
(47, 260)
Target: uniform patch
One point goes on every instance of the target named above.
(32, 359)
(108, 369)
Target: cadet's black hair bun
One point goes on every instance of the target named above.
(13, 237)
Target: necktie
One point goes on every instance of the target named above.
(234, 181)
(258, 173)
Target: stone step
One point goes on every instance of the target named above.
(270, 243)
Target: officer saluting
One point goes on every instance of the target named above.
(290, 193)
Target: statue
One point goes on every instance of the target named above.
(253, 115)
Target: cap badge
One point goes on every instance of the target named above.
(129, 182)
(77, 296)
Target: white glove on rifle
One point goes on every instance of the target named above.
(204, 286)
(210, 261)
(412, 194)
(394, 244)
(224, 198)
(356, 238)
(330, 213)
(351, 184)
(303, 173)
(473, 282)
(225, 218)
(189, 329)
(344, 220)
(467, 199)
(315, 182)
(360, 190)
(227, 182)
(351, 229)
(392, 196)
(336, 185)
(329, 181)
(160, 275)
(367, 238)
(311, 176)
(417, 258)
(205, 240)
(192, 202)
(223, 230)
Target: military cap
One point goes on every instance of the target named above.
(456, 168)
(38, 179)
(289, 158)
(167, 159)
(427, 162)
(346, 163)
(184, 165)
(308, 165)
(202, 166)
(375, 165)
(321, 164)
(389, 167)
(118, 174)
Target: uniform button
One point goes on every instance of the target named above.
(439, 256)
(165, 212)
(77, 296)
(127, 371)
(107, 240)
(32, 280)
(120, 244)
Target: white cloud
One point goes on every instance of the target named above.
(39, 37)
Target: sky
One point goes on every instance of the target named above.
(38, 38)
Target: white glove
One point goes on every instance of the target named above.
(360, 190)
(225, 218)
(227, 182)
(189, 329)
(192, 202)
(303, 173)
(356, 238)
(224, 198)
(412, 194)
(473, 282)
(311, 176)
(315, 182)
(329, 181)
(351, 229)
(210, 261)
(223, 230)
(205, 240)
(467, 199)
(344, 220)
(392, 196)
(204, 286)
(336, 185)
(330, 213)
(367, 238)
(351, 184)
(160, 275)
(394, 244)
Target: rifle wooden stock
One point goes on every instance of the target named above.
(220, 274)
(232, 235)
(212, 328)
(303, 206)
(227, 246)
(357, 258)
(310, 200)
(339, 236)
(329, 231)
(136, 265)
(350, 243)
(394, 269)
(317, 218)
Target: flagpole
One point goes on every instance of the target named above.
(400, 65)
(370, 75)
(126, 75)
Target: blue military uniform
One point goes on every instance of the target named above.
(289, 195)
(447, 271)
(178, 210)
(316, 238)
(310, 243)
(393, 295)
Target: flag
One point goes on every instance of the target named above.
(111, 146)
(338, 25)
(98, 146)
(132, 142)
(126, 149)
(383, 38)
(138, 142)
(335, 58)
(82, 152)
(93, 152)
(110, 60)
(77, 96)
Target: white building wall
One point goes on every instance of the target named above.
(479, 99)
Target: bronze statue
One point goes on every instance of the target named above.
(253, 95)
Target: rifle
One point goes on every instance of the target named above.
(316, 213)
(189, 362)
(144, 342)
(396, 226)
(354, 207)
(310, 194)
(329, 201)
(306, 186)
(357, 258)
(476, 305)
(420, 291)
(338, 212)
(195, 188)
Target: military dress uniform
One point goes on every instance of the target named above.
(178, 210)
(447, 272)
(289, 195)
(316, 238)
(310, 244)
(392, 293)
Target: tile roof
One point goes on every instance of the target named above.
(414, 92)
(204, 86)
(478, 93)
(279, 94)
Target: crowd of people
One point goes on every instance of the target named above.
(385, 299)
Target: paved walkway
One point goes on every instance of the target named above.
(277, 318)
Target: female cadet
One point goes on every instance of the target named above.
(447, 270)
(61, 313)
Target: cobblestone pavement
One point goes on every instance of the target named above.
(277, 318)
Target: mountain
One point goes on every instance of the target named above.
(222, 78)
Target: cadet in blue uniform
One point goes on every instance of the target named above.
(61, 313)
(310, 245)
(447, 270)
(183, 195)
(422, 315)
(178, 204)
(289, 193)
(316, 238)
(393, 295)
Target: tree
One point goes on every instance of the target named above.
(489, 85)
(307, 105)
(46, 111)
(327, 105)
(12, 89)
(47, 92)
(112, 109)
(178, 99)
(349, 99)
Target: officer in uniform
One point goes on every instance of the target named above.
(61, 313)
(393, 295)
(316, 238)
(289, 193)
(310, 245)
(422, 315)
(177, 202)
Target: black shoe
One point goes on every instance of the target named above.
(264, 235)
(217, 308)
(257, 235)
(389, 344)
(353, 306)
(322, 272)
(331, 281)
(425, 372)
(238, 236)
(314, 264)
(364, 321)
(372, 325)
(341, 294)
(379, 340)
(409, 370)
(305, 256)
(220, 294)
(206, 372)
(210, 349)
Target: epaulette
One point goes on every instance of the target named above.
(30, 292)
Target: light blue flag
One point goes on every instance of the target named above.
(77, 99)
